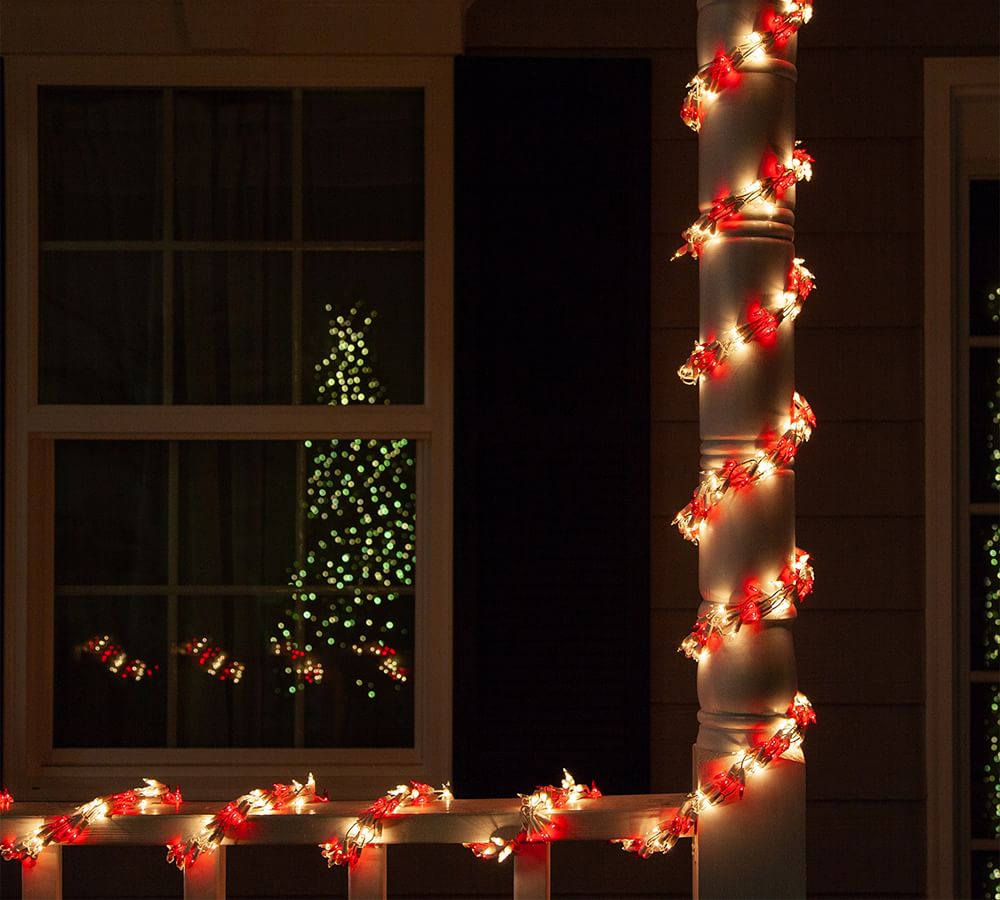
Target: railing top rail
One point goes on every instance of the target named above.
(460, 821)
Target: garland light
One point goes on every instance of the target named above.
(368, 826)
(116, 660)
(536, 818)
(793, 585)
(214, 660)
(184, 852)
(717, 483)
(728, 785)
(713, 77)
(761, 325)
(69, 828)
(766, 190)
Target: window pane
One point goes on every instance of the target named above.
(363, 328)
(237, 502)
(100, 164)
(111, 512)
(363, 160)
(984, 257)
(104, 695)
(984, 722)
(244, 699)
(232, 328)
(984, 425)
(232, 165)
(100, 328)
(985, 582)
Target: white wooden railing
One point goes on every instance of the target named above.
(458, 822)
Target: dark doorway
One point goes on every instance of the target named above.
(551, 419)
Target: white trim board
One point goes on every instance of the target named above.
(951, 86)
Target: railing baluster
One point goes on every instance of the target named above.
(533, 872)
(43, 880)
(367, 879)
(206, 879)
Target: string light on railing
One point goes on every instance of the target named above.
(184, 852)
(116, 660)
(730, 784)
(368, 826)
(537, 823)
(710, 79)
(69, 828)
(214, 660)
(766, 190)
(735, 474)
(761, 325)
(6, 800)
(794, 584)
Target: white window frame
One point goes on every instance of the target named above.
(960, 143)
(33, 768)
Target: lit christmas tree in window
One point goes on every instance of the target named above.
(360, 510)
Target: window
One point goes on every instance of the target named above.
(962, 391)
(229, 421)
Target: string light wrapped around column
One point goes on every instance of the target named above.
(741, 214)
(761, 324)
(709, 80)
(716, 484)
(766, 190)
(793, 585)
(729, 785)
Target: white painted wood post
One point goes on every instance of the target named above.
(533, 872)
(206, 879)
(367, 879)
(43, 880)
(755, 848)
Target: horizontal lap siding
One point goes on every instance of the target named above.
(860, 484)
(858, 360)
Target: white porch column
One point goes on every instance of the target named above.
(754, 848)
